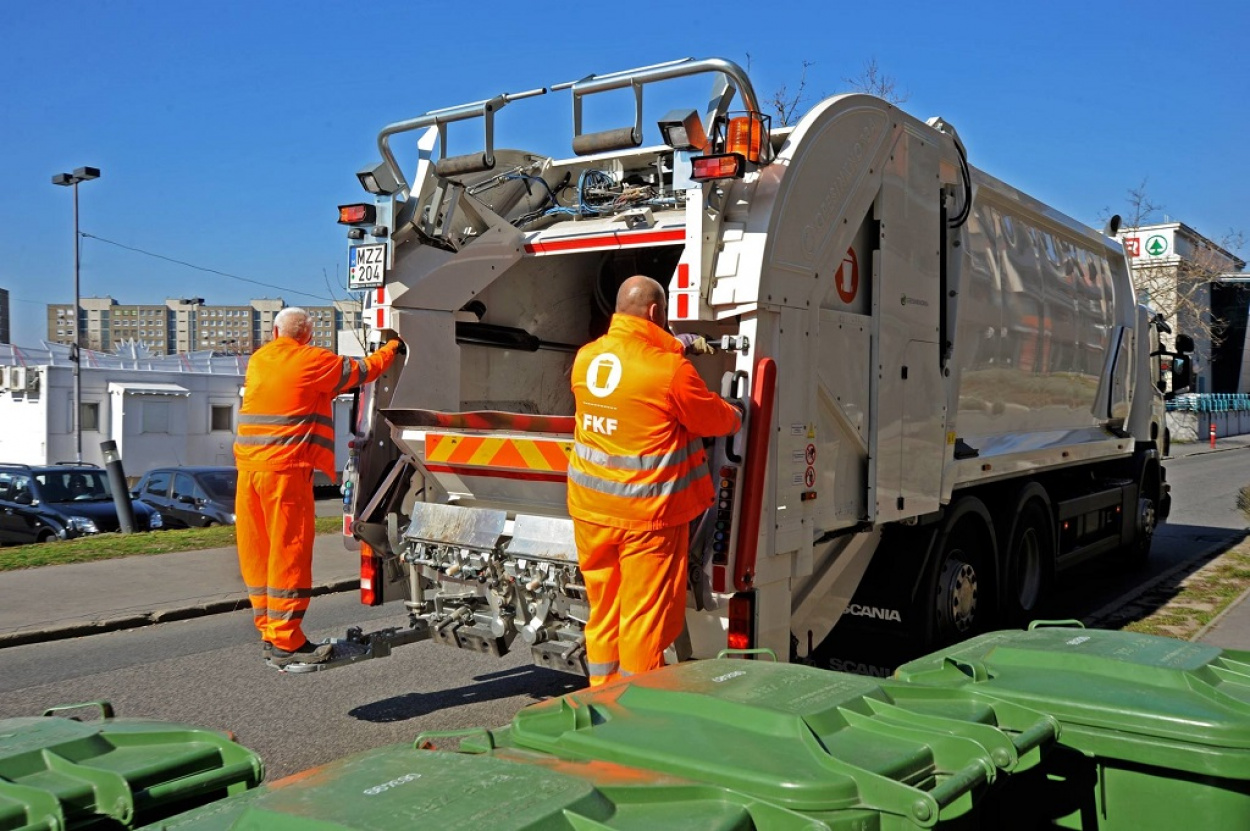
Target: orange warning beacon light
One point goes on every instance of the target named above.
(745, 136)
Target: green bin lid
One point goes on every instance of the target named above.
(59, 773)
(805, 738)
(1124, 695)
(401, 787)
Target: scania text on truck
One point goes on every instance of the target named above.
(952, 395)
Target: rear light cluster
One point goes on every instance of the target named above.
(745, 138)
(370, 576)
(357, 214)
(742, 621)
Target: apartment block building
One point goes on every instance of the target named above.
(189, 324)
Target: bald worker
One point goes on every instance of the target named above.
(637, 477)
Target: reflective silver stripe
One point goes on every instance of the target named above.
(626, 673)
(598, 457)
(603, 669)
(290, 593)
(345, 377)
(256, 591)
(307, 438)
(297, 614)
(635, 491)
(259, 612)
(286, 421)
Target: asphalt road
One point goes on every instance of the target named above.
(208, 671)
(1204, 519)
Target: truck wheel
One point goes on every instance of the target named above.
(1145, 518)
(961, 576)
(1029, 563)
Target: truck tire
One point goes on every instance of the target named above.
(1029, 559)
(959, 588)
(1145, 518)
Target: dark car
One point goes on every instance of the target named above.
(41, 503)
(190, 497)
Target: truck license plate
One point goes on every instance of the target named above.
(366, 267)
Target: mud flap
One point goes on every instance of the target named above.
(881, 628)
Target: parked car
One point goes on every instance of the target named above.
(41, 503)
(190, 497)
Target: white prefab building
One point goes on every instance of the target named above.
(176, 410)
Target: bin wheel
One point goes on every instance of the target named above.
(961, 576)
(1028, 565)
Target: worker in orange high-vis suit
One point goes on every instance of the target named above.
(286, 431)
(637, 476)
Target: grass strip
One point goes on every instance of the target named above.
(1200, 597)
(112, 546)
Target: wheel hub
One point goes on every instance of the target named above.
(1146, 519)
(957, 596)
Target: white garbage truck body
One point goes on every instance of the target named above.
(950, 387)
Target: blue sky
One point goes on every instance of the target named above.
(228, 132)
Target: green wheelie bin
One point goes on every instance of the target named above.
(719, 744)
(60, 773)
(1154, 732)
(839, 748)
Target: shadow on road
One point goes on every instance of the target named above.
(534, 682)
(1141, 594)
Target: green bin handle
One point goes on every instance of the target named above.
(1044, 729)
(1046, 624)
(423, 739)
(956, 785)
(973, 669)
(106, 709)
(759, 650)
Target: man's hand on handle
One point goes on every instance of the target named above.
(696, 344)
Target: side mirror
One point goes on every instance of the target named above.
(1182, 373)
(186, 499)
(24, 498)
(1184, 343)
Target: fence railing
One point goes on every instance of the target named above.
(1211, 402)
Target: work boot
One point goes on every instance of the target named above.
(309, 653)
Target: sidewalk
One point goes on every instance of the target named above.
(1231, 628)
(68, 601)
(42, 604)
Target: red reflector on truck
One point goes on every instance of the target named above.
(370, 575)
(357, 214)
(724, 166)
(742, 621)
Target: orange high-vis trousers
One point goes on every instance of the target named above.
(274, 526)
(636, 584)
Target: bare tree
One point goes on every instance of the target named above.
(1179, 287)
(785, 102)
(873, 81)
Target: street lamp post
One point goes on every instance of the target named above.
(81, 174)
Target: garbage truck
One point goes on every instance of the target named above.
(952, 395)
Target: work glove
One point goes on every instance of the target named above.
(695, 344)
(397, 346)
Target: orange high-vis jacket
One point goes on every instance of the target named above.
(286, 421)
(642, 410)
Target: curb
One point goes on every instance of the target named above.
(132, 621)
(1215, 621)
